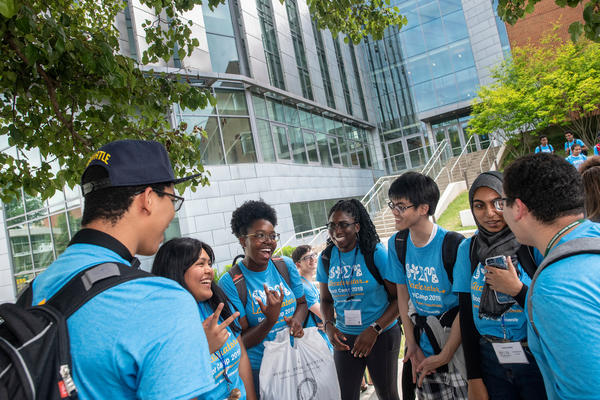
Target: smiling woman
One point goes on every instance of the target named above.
(272, 301)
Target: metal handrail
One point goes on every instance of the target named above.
(462, 153)
(318, 231)
(435, 156)
(484, 158)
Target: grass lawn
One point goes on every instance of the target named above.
(450, 219)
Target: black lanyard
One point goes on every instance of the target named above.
(348, 285)
(559, 233)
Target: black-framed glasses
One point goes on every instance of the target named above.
(500, 203)
(398, 207)
(263, 237)
(332, 226)
(309, 257)
(177, 200)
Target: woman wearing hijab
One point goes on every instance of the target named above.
(492, 299)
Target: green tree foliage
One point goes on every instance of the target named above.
(555, 84)
(66, 89)
(512, 10)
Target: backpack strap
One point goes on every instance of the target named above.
(90, 282)
(370, 260)
(449, 251)
(326, 256)
(400, 244)
(283, 270)
(586, 245)
(473, 254)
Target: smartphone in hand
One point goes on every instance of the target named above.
(500, 262)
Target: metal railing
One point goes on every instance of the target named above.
(490, 150)
(465, 150)
(438, 160)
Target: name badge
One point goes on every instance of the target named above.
(352, 317)
(510, 353)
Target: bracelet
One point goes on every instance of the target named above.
(325, 324)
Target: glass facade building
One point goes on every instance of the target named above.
(425, 76)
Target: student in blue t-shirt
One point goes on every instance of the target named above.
(570, 141)
(483, 327)
(188, 262)
(544, 146)
(424, 283)
(576, 158)
(271, 304)
(142, 339)
(543, 206)
(360, 313)
(306, 261)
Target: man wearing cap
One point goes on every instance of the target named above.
(142, 338)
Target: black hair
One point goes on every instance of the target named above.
(575, 145)
(110, 203)
(543, 137)
(175, 257)
(245, 215)
(367, 235)
(417, 188)
(548, 185)
(299, 252)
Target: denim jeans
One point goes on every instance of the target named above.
(510, 381)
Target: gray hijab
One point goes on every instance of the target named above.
(490, 244)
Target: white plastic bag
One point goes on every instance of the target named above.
(305, 371)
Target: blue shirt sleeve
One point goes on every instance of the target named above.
(537, 149)
(462, 268)
(596, 151)
(311, 295)
(226, 283)
(295, 280)
(580, 142)
(178, 342)
(395, 271)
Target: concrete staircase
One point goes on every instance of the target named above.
(469, 163)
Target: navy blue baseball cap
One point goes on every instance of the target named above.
(131, 163)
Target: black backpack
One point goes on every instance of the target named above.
(240, 282)
(524, 255)
(35, 357)
(369, 260)
(449, 250)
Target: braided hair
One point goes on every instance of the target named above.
(367, 235)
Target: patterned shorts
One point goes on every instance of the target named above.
(443, 386)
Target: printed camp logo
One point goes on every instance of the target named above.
(307, 389)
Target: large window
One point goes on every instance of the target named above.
(227, 137)
(221, 40)
(296, 31)
(323, 64)
(269, 37)
(343, 77)
(291, 134)
(358, 81)
(310, 215)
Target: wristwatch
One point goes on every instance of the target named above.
(377, 327)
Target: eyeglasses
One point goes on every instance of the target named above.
(398, 207)
(332, 226)
(500, 203)
(263, 237)
(177, 200)
(311, 256)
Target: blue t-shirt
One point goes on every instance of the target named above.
(544, 149)
(596, 150)
(425, 277)
(350, 276)
(140, 339)
(576, 160)
(254, 284)
(566, 312)
(513, 323)
(568, 145)
(228, 356)
(313, 297)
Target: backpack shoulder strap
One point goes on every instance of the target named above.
(449, 251)
(526, 259)
(283, 270)
(586, 245)
(240, 282)
(370, 260)
(473, 253)
(91, 282)
(326, 257)
(400, 244)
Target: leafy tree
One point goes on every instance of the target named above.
(66, 89)
(553, 85)
(512, 10)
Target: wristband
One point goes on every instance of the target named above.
(325, 324)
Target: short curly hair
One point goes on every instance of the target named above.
(245, 215)
(548, 185)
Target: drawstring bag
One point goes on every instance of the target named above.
(302, 371)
